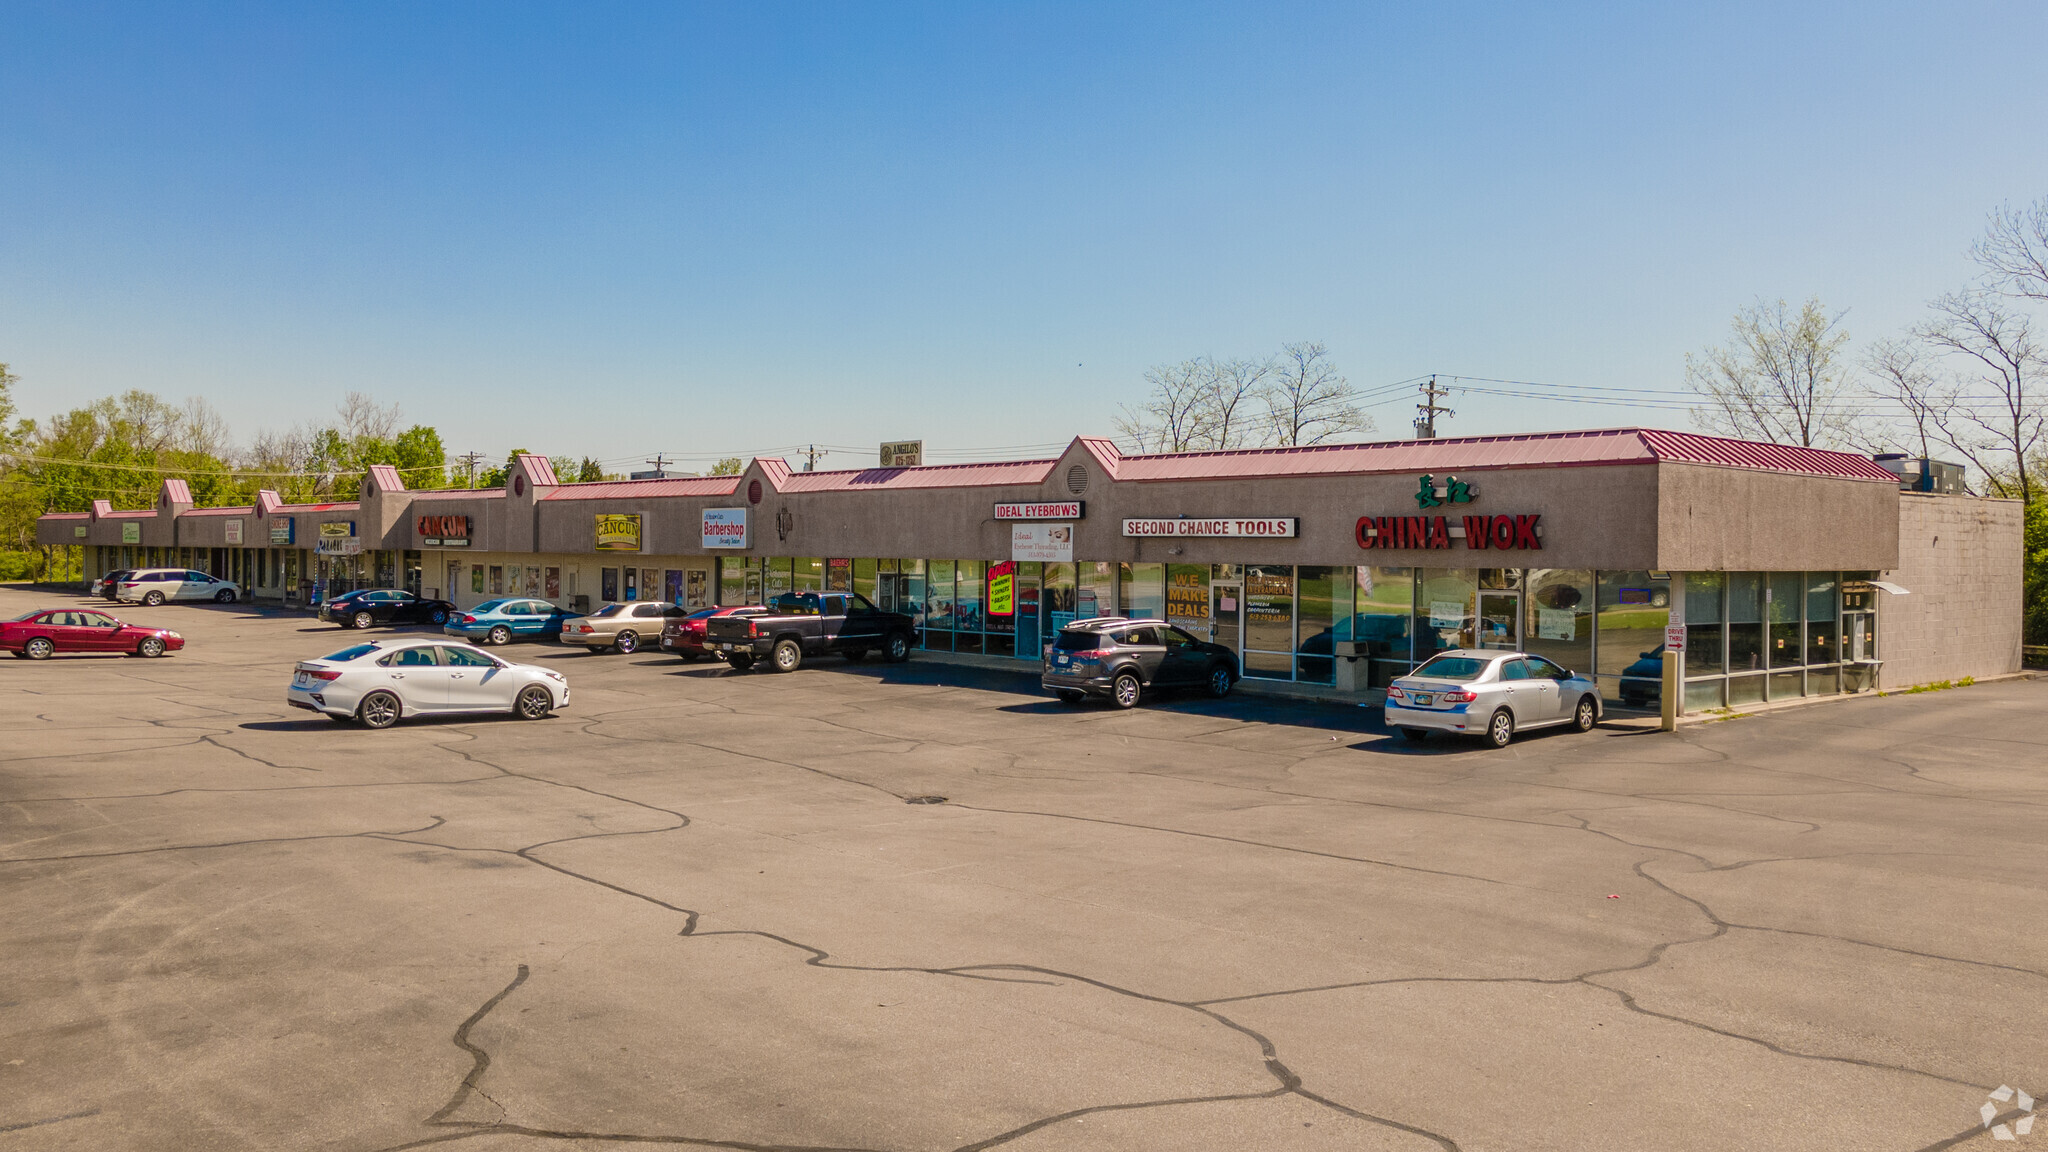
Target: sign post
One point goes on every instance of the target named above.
(1674, 659)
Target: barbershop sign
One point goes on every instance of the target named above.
(1505, 531)
(1275, 527)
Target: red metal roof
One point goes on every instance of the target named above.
(641, 489)
(992, 475)
(242, 511)
(177, 491)
(65, 516)
(1537, 450)
(459, 494)
(345, 506)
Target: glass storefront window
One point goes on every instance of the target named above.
(1059, 597)
(998, 590)
(1745, 690)
(1029, 645)
(1380, 624)
(1096, 595)
(807, 574)
(1702, 694)
(611, 576)
(910, 589)
(1786, 596)
(1445, 608)
(732, 580)
(1323, 607)
(1703, 626)
(1269, 621)
(1633, 610)
(1558, 616)
(864, 580)
(1141, 591)
(938, 611)
(1822, 646)
(1745, 621)
(971, 585)
(1187, 599)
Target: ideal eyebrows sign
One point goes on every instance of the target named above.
(1506, 531)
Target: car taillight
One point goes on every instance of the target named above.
(1396, 694)
(753, 629)
(469, 619)
(321, 675)
(584, 628)
(1460, 697)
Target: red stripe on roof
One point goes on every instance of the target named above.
(220, 512)
(1697, 449)
(459, 494)
(636, 489)
(1006, 473)
(65, 516)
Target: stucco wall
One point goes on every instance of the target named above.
(1960, 558)
(1739, 520)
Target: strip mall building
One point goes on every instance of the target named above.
(1797, 572)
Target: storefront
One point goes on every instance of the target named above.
(1796, 572)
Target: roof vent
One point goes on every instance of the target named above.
(1077, 479)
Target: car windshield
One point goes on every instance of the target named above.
(1452, 668)
(607, 610)
(488, 606)
(352, 652)
(702, 615)
(1072, 640)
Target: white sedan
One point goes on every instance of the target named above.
(379, 681)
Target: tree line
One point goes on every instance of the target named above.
(1294, 397)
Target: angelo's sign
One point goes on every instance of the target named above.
(618, 532)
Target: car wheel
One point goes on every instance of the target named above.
(363, 620)
(1415, 735)
(150, 646)
(788, 656)
(152, 598)
(1125, 690)
(534, 703)
(500, 635)
(1501, 728)
(1587, 715)
(740, 663)
(898, 650)
(1220, 681)
(625, 642)
(224, 596)
(39, 648)
(440, 616)
(1069, 696)
(378, 710)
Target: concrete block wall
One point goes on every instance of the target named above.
(1960, 557)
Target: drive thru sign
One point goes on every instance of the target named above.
(1674, 637)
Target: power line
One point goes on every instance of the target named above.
(1429, 410)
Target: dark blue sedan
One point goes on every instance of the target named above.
(499, 621)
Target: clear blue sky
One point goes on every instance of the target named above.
(699, 229)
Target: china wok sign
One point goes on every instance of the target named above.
(1506, 531)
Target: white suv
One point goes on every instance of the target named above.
(153, 586)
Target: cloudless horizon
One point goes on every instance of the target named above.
(709, 230)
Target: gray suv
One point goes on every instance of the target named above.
(1123, 659)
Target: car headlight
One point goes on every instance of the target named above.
(172, 636)
(552, 675)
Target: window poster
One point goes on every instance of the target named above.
(497, 580)
(1002, 589)
(1446, 614)
(476, 579)
(553, 584)
(1187, 594)
(1554, 624)
(696, 588)
(839, 575)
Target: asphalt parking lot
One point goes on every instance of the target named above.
(702, 908)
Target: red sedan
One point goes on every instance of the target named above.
(684, 636)
(45, 632)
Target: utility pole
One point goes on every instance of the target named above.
(811, 455)
(659, 461)
(1427, 411)
(469, 461)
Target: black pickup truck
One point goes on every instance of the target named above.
(800, 624)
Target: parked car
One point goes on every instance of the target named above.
(1491, 695)
(620, 627)
(108, 587)
(153, 586)
(380, 681)
(499, 621)
(1123, 659)
(46, 632)
(685, 636)
(800, 624)
(367, 606)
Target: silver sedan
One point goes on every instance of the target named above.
(379, 681)
(1491, 695)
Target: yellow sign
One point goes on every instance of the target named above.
(618, 532)
(1002, 589)
(904, 454)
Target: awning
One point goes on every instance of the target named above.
(1894, 589)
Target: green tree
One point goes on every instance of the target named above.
(730, 466)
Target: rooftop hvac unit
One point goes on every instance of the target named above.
(1920, 474)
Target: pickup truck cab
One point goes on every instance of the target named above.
(800, 624)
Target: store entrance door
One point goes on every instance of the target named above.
(1499, 615)
(1226, 615)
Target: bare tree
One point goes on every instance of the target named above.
(1902, 372)
(1175, 416)
(2014, 250)
(1308, 400)
(1998, 430)
(1781, 379)
(1234, 389)
(364, 419)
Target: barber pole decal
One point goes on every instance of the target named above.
(1504, 532)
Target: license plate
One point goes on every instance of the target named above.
(725, 647)
(1423, 697)
(301, 680)
(1063, 659)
